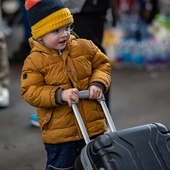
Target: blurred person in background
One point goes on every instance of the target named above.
(24, 48)
(148, 9)
(10, 15)
(15, 16)
(4, 67)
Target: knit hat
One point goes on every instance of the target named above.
(46, 16)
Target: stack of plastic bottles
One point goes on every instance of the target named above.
(145, 54)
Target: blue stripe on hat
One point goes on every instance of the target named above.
(43, 9)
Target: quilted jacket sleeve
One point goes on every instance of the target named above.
(33, 88)
(101, 68)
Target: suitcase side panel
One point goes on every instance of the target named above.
(147, 142)
(139, 148)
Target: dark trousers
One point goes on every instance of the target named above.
(63, 155)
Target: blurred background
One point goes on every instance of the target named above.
(140, 38)
(136, 40)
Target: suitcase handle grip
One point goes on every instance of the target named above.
(84, 94)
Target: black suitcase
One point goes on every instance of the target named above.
(145, 147)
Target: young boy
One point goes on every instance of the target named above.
(58, 67)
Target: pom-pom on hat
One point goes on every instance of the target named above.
(46, 16)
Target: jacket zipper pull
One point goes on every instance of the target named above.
(60, 52)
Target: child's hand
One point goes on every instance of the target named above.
(69, 95)
(95, 92)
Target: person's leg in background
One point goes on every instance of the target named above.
(91, 26)
(24, 49)
(27, 30)
(4, 68)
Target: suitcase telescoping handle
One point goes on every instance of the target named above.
(85, 95)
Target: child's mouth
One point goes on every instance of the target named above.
(62, 42)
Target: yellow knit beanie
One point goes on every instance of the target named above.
(46, 16)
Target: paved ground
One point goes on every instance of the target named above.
(136, 97)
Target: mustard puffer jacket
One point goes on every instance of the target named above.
(44, 71)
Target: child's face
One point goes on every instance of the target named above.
(57, 39)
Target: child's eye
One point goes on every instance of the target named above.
(56, 31)
(68, 27)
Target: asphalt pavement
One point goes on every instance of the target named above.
(136, 98)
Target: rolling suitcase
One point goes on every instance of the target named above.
(145, 147)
